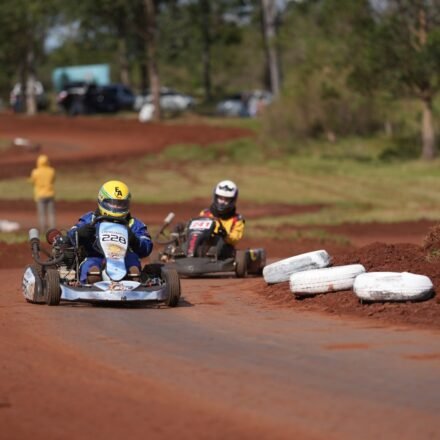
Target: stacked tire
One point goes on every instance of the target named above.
(392, 286)
(308, 274)
(330, 279)
(281, 271)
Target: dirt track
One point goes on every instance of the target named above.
(238, 359)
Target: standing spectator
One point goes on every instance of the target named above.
(43, 179)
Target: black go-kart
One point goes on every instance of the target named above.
(55, 278)
(192, 250)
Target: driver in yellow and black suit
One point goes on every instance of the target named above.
(229, 224)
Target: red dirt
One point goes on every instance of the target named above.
(408, 246)
(93, 384)
(76, 140)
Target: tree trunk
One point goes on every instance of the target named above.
(153, 71)
(428, 134)
(269, 34)
(123, 62)
(206, 55)
(29, 88)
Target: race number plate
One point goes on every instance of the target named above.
(114, 240)
(200, 225)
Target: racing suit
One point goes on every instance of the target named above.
(229, 230)
(140, 247)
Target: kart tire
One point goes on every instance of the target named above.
(38, 296)
(241, 264)
(281, 270)
(256, 261)
(172, 282)
(151, 270)
(53, 288)
(330, 279)
(262, 263)
(392, 286)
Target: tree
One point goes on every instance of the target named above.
(402, 54)
(23, 27)
(270, 13)
(151, 43)
(114, 16)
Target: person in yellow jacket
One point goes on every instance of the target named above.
(230, 225)
(43, 179)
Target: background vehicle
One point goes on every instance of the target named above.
(57, 278)
(84, 98)
(191, 250)
(246, 104)
(170, 100)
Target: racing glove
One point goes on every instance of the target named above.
(133, 241)
(221, 231)
(86, 232)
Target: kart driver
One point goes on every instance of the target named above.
(114, 202)
(230, 225)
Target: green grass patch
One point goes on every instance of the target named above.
(257, 230)
(242, 150)
(5, 144)
(352, 190)
(14, 238)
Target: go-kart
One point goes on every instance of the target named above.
(190, 249)
(56, 278)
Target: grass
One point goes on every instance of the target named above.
(14, 237)
(5, 144)
(351, 190)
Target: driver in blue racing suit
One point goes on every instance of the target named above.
(114, 202)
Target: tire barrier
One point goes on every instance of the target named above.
(281, 270)
(325, 280)
(392, 286)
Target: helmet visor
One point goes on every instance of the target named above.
(116, 206)
(223, 203)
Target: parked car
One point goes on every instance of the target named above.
(80, 97)
(170, 100)
(16, 98)
(246, 104)
(122, 94)
(233, 105)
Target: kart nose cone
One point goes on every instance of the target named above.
(116, 269)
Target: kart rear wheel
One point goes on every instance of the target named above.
(53, 289)
(172, 281)
(241, 264)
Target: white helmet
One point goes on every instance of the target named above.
(224, 197)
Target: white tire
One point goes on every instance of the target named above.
(392, 286)
(281, 270)
(325, 280)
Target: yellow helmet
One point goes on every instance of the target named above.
(114, 199)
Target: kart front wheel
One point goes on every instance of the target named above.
(53, 289)
(172, 282)
(241, 264)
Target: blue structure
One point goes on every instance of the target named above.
(98, 74)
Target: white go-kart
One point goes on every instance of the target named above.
(56, 278)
